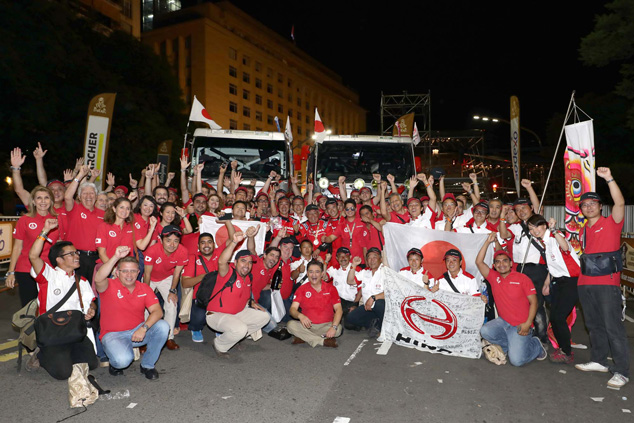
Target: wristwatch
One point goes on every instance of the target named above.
(145, 326)
(173, 291)
(373, 297)
(335, 327)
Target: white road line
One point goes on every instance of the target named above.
(354, 354)
(384, 348)
(341, 420)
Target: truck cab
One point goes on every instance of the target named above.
(358, 157)
(257, 153)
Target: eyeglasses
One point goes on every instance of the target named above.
(589, 204)
(72, 253)
(350, 209)
(129, 271)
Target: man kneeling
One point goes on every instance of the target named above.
(123, 323)
(318, 322)
(516, 302)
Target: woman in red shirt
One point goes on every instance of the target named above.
(115, 230)
(173, 215)
(26, 231)
(145, 222)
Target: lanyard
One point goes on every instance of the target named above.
(351, 231)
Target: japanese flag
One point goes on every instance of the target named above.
(288, 133)
(199, 114)
(416, 136)
(320, 131)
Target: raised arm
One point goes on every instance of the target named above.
(343, 193)
(69, 196)
(350, 279)
(382, 189)
(476, 187)
(225, 256)
(198, 178)
(251, 232)
(221, 180)
(429, 186)
(618, 210)
(502, 229)
(101, 277)
(528, 185)
(170, 177)
(413, 182)
(39, 154)
(38, 245)
(17, 160)
(184, 189)
(294, 186)
(482, 267)
(391, 180)
(142, 244)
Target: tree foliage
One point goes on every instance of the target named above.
(54, 62)
(612, 42)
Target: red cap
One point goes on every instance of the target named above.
(409, 201)
(502, 252)
(122, 188)
(449, 196)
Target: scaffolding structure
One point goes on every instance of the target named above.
(395, 106)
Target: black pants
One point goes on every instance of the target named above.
(27, 287)
(489, 309)
(564, 297)
(58, 361)
(537, 273)
(87, 264)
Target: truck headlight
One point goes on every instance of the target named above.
(323, 182)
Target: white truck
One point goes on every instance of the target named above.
(358, 157)
(257, 153)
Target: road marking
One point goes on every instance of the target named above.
(7, 357)
(9, 344)
(629, 319)
(354, 354)
(384, 348)
(344, 419)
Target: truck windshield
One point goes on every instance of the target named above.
(361, 159)
(256, 158)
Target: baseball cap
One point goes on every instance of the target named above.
(122, 188)
(590, 196)
(287, 240)
(449, 196)
(311, 207)
(522, 201)
(502, 252)
(365, 189)
(242, 189)
(424, 198)
(331, 201)
(54, 181)
(483, 205)
(170, 230)
(242, 253)
(415, 251)
(411, 200)
(200, 194)
(373, 250)
(453, 253)
(343, 250)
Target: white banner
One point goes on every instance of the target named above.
(219, 232)
(440, 323)
(434, 244)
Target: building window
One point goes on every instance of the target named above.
(233, 55)
(269, 72)
(258, 66)
(299, 102)
(246, 127)
(269, 104)
(307, 106)
(290, 81)
(280, 93)
(258, 83)
(233, 71)
(307, 119)
(233, 107)
(280, 78)
(290, 112)
(258, 99)
(269, 88)
(233, 124)
(258, 116)
(299, 116)
(280, 108)
(299, 130)
(233, 89)
(246, 77)
(270, 120)
(246, 94)
(246, 112)
(246, 61)
(290, 98)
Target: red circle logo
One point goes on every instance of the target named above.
(434, 255)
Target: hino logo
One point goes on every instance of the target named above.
(449, 323)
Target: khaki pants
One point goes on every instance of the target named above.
(163, 288)
(235, 327)
(312, 335)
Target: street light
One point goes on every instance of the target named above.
(539, 141)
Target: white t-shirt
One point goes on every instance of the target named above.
(370, 284)
(339, 277)
(464, 283)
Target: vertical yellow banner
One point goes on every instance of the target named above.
(98, 122)
(515, 141)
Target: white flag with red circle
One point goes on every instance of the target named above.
(320, 131)
(200, 114)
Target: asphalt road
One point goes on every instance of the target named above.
(274, 381)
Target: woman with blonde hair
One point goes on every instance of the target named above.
(41, 207)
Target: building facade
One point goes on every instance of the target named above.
(245, 74)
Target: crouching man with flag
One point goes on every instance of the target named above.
(516, 302)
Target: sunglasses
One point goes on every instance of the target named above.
(72, 253)
(350, 209)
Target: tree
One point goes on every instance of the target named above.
(612, 42)
(54, 62)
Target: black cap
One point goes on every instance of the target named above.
(311, 207)
(243, 253)
(170, 230)
(521, 201)
(453, 252)
(373, 250)
(331, 200)
(590, 196)
(343, 250)
(415, 251)
(483, 205)
(287, 240)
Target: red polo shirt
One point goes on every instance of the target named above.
(123, 310)
(317, 306)
(401, 218)
(195, 266)
(261, 276)
(354, 236)
(602, 237)
(110, 236)
(27, 229)
(163, 264)
(82, 226)
(234, 298)
(511, 294)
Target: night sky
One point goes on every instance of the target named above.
(472, 56)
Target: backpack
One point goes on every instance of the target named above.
(207, 285)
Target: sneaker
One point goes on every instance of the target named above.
(558, 356)
(543, 353)
(617, 381)
(197, 336)
(591, 366)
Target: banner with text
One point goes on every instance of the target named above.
(515, 141)
(98, 124)
(437, 322)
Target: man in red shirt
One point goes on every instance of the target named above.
(516, 302)
(599, 283)
(231, 310)
(123, 322)
(352, 232)
(164, 264)
(319, 321)
(83, 218)
(205, 261)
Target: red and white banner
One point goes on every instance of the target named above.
(219, 232)
(515, 141)
(320, 131)
(440, 323)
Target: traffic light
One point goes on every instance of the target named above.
(495, 187)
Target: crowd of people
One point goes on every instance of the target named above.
(138, 249)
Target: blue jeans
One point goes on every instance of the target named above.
(118, 345)
(520, 349)
(602, 313)
(362, 318)
(197, 317)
